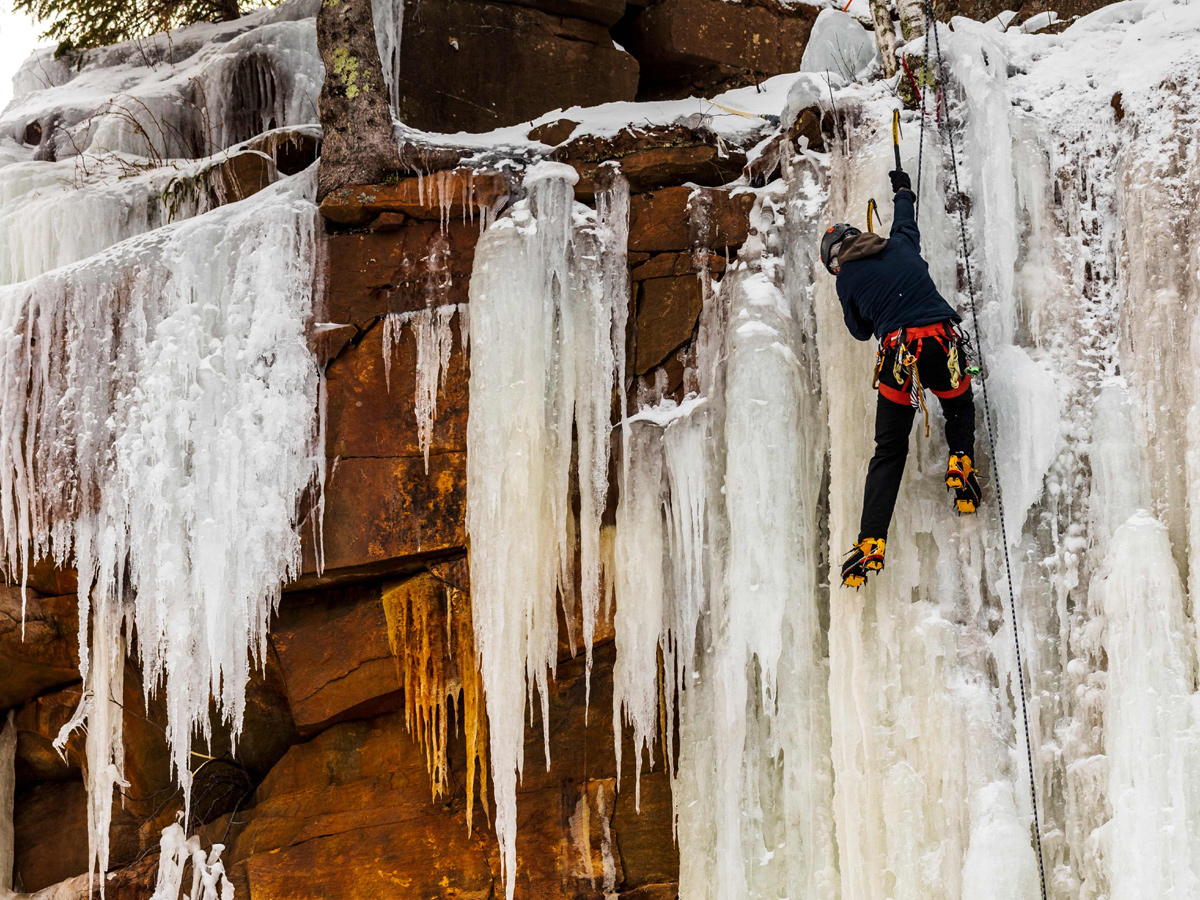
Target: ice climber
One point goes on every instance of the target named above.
(885, 290)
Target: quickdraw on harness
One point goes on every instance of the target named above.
(906, 344)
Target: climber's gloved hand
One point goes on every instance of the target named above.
(900, 181)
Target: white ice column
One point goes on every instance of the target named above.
(542, 364)
(922, 759)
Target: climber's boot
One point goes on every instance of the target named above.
(963, 480)
(865, 556)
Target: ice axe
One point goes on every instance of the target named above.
(872, 212)
(871, 206)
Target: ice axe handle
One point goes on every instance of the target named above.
(896, 138)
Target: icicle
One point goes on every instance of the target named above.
(472, 711)
(514, 518)
(388, 16)
(105, 746)
(690, 472)
(393, 325)
(537, 274)
(600, 280)
(418, 635)
(431, 327)
(434, 340)
(430, 635)
(640, 589)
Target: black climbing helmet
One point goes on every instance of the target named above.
(829, 244)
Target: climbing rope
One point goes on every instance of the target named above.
(931, 28)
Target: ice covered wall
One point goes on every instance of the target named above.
(129, 137)
(158, 400)
(872, 744)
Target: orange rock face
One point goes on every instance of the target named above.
(421, 264)
(350, 814)
(650, 157)
(40, 651)
(667, 313)
(685, 45)
(457, 193)
(333, 652)
(381, 504)
(683, 218)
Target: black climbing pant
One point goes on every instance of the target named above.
(893, 423)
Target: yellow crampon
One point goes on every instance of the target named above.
(960, 479)
(865, 556)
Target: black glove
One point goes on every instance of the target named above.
(900, 181)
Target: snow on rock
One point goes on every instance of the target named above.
(807, 91)
(838, 46)
(186, 94)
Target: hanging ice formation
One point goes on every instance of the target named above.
(724, 580)
(158, 429)
(389, 30)
(176, 851)
(435, 340)
(553, 273)
(158, 400)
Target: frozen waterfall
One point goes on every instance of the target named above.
(847, 744)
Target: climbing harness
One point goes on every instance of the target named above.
(905, 346)
(931, 28)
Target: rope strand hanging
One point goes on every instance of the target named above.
(932, 29)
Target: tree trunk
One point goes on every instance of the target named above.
(912, 18)
(359, 145)
(885, 36)
(227, 10)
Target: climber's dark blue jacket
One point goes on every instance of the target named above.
(892, 290)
